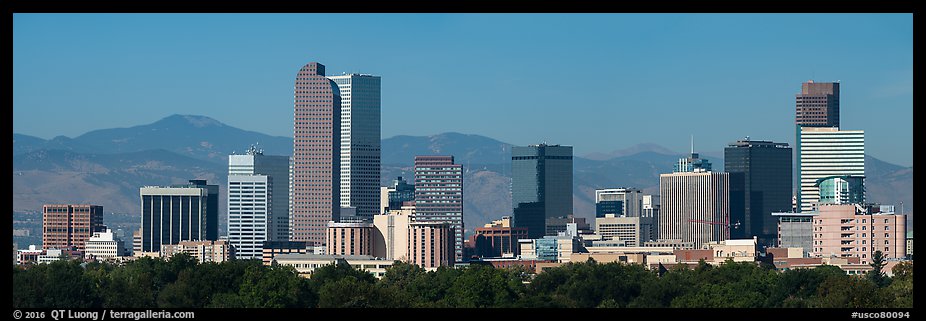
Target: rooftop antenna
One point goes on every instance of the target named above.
(692, 143)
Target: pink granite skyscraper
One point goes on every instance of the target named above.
(316, 154)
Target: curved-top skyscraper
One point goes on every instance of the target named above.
(316, 154)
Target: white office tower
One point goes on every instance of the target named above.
(104, 246)
(695, 207)
(258, 201)
(360, 143)
(824, 152)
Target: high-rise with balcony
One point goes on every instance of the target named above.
(856, 230)
(439, 195)
(760, 184)
(316, 154)
(258, 201)
(541, 185)
(69, 226)
(175, 213)
(360, 142)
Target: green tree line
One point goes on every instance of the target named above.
(182, 282)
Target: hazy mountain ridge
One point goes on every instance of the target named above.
(198, 137)
(108, 166)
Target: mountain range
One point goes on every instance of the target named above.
(107, 166)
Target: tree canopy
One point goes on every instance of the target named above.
(182, 282)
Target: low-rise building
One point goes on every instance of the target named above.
(633, 231)
(29, 255)
(550, 248)
(354, 238)
(204, 251)
(390, 233)
(274, 248)
(52, 255)
(104, 246)
(305, 264)
(498, 239)
(742, 250)
(795, 230)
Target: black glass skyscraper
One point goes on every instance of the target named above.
(541, 185)
(760, 184)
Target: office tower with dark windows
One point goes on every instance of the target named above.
(69, 226)
(175, 213)
(258, 201)
(541, 185)
(817, 105)
(360, 142)
(439, 195)
(627, 202)
(316, 165)
(760, 184)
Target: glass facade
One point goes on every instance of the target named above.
(760, 184)
(842, 190)
(402, 192)
(179, 213)
(609, 207)
(541, 185)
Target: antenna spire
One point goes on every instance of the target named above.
(692, 143)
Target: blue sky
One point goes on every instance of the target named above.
(599, 82)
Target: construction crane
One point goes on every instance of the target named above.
(727, 225)
(735, 226)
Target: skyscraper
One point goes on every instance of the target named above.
(69, 226)
(817, 105)
(541, 185)
(760, 184)
(824, 152)
(439, 195)
(170, 214)
(360, 142)
(316, 154)
(258, 201)
(695, 206)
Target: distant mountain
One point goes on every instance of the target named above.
(108, 166)
(112, 180)
(635, 149)
(198, 137)
(472, 149)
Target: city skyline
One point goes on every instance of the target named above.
(502, 65)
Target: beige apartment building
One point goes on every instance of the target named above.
(853, 230)
(204, 251)
(349, 238)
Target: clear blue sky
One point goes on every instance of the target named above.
(599, 82)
